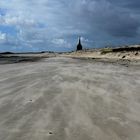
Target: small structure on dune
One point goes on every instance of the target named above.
(79, 46)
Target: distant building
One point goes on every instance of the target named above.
(79, 46)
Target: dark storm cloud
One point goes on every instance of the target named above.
(115, 18)
(56, 24)
(126, 3)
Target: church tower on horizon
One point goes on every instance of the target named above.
(79, 46)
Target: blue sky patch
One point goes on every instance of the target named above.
(2, 12)
(11, 30)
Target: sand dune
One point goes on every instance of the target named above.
(131, 52)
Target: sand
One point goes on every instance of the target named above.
(69, 99)
(97, 54)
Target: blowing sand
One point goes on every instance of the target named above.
(69, 99)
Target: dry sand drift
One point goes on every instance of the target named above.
(69, 99)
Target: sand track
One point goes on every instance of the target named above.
(69, 99)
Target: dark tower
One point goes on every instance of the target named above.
(79, 46)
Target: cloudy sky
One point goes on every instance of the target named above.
(54, 25)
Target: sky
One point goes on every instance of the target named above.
(55, 25)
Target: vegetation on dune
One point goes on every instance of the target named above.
(106, 50)
(125, 49)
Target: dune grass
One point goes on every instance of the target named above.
(106, 50)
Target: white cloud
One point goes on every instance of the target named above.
(2, 37)
(17, 21)
(60, 42)
(84, 39)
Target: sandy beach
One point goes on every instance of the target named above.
(69, 70)
(62, 98)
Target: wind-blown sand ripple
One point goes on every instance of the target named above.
(69, 99)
